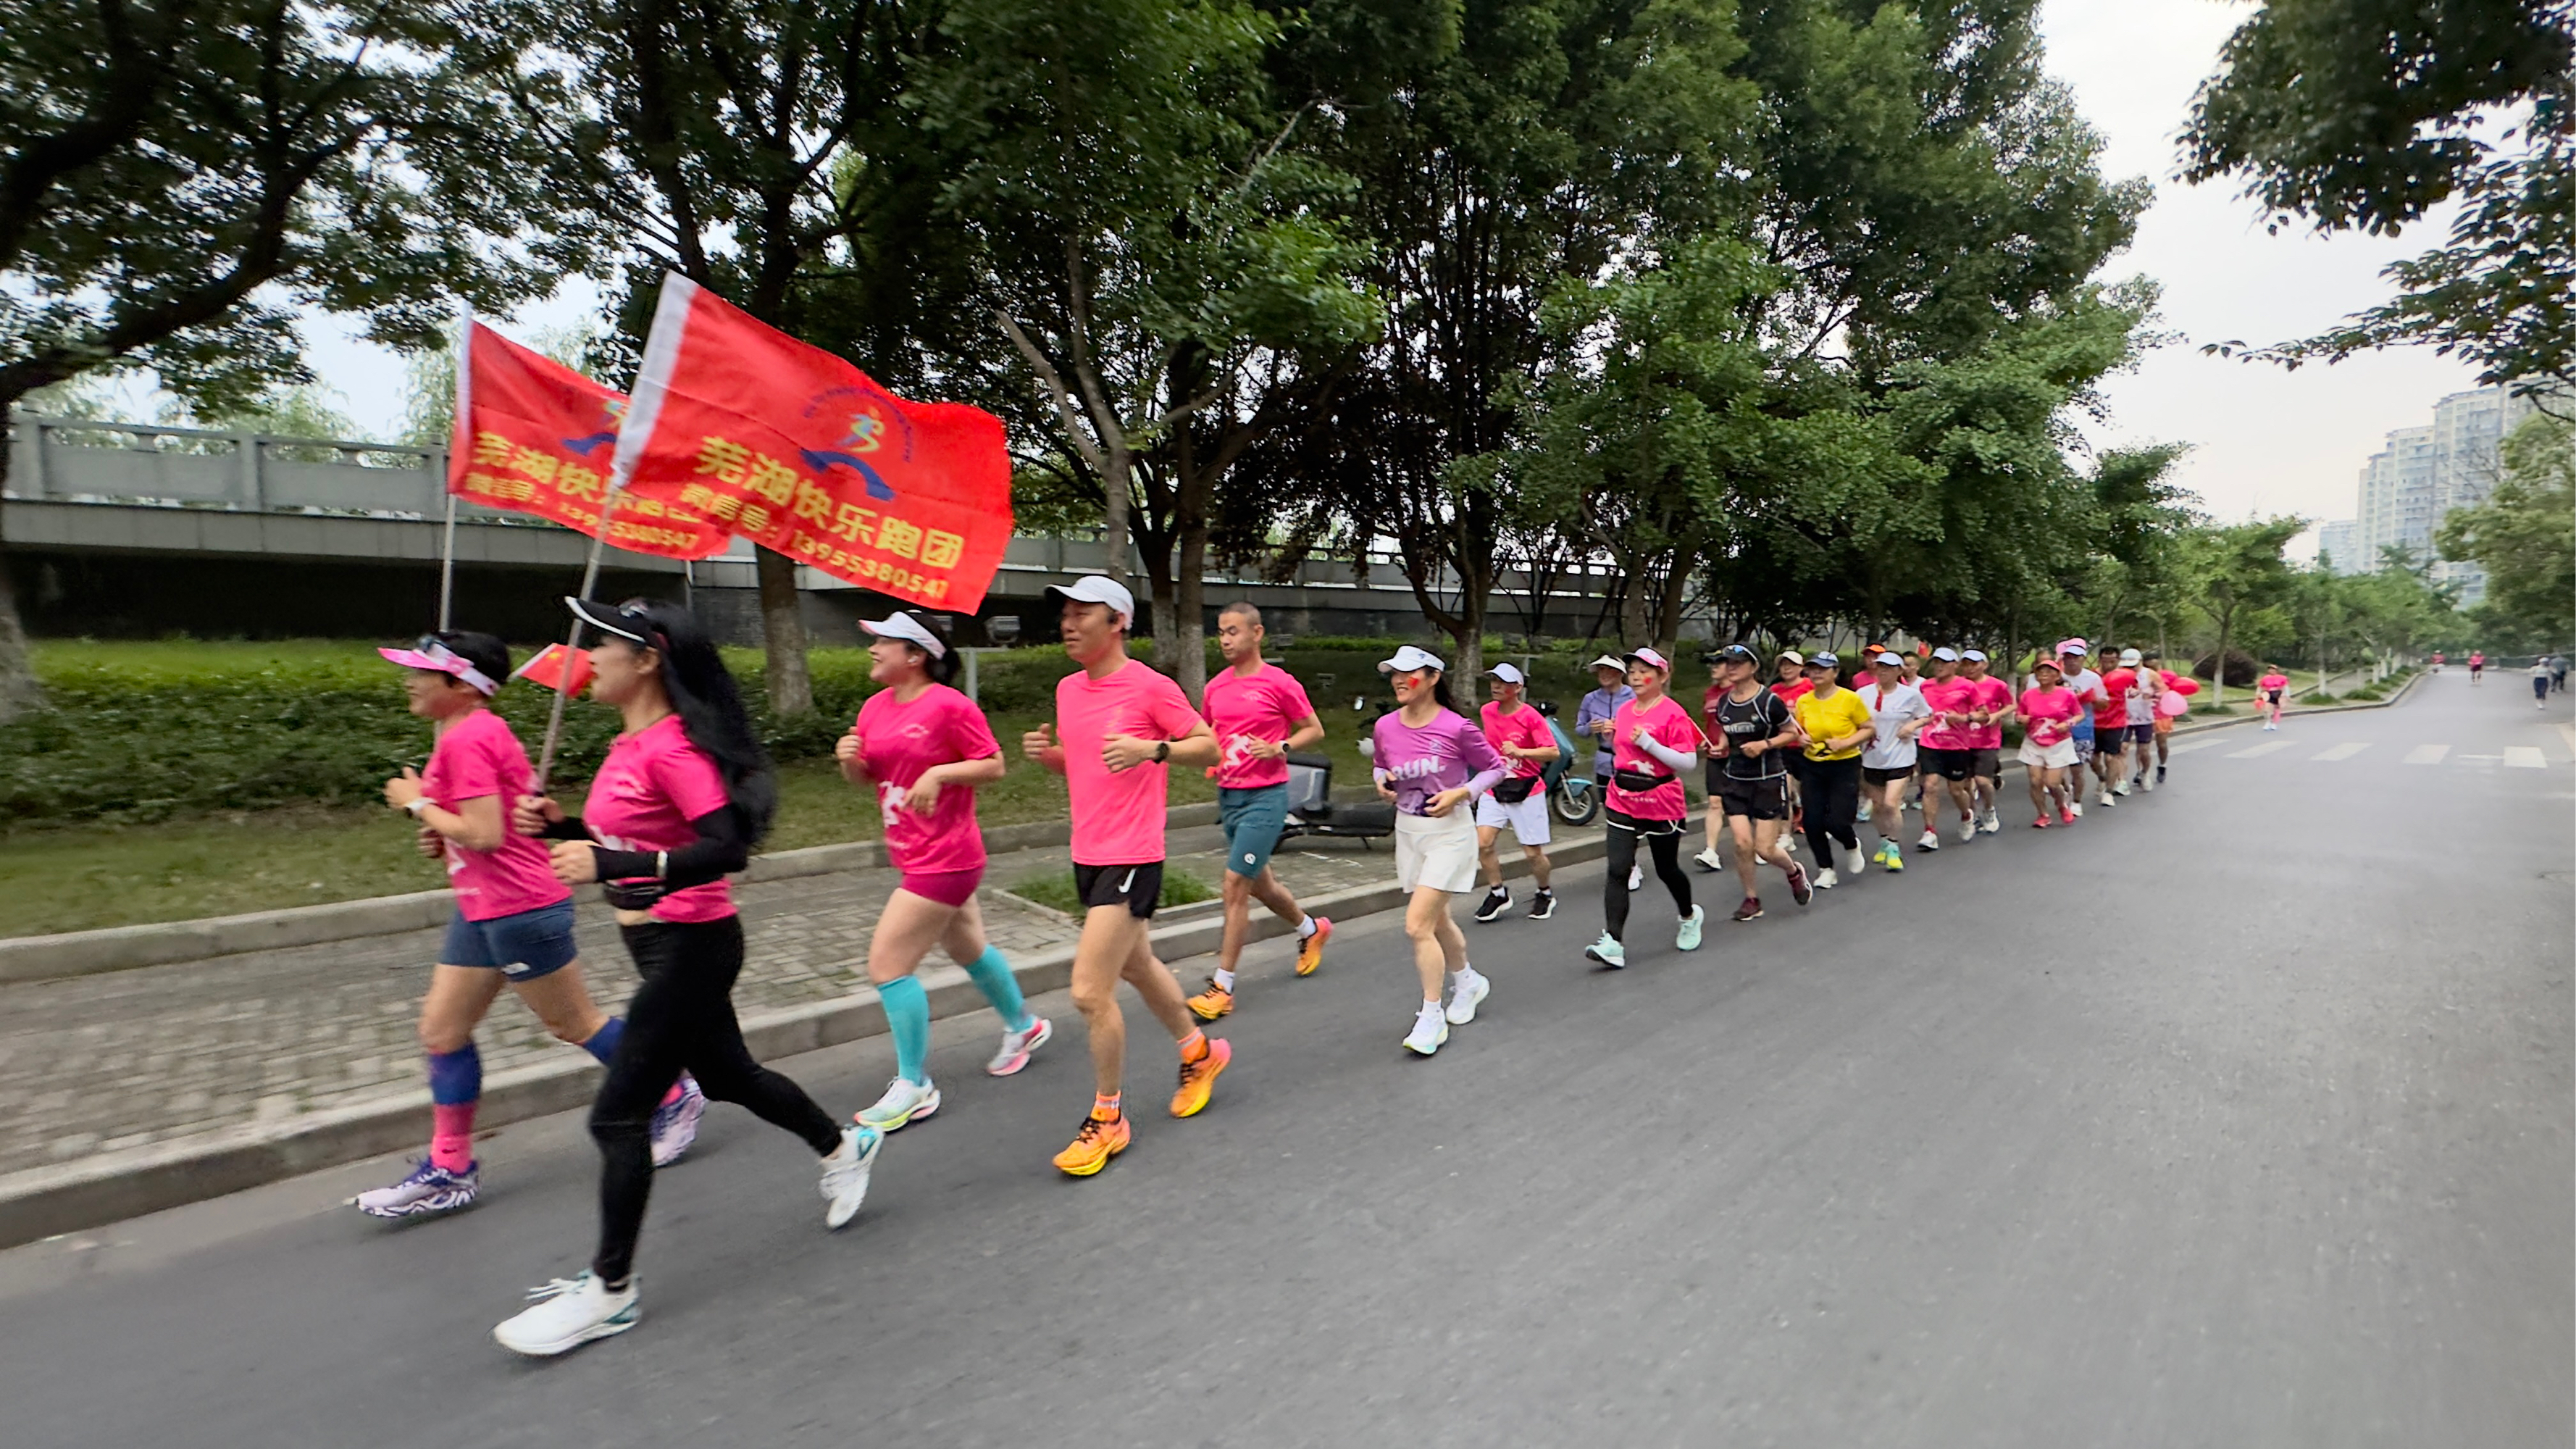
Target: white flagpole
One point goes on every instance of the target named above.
(456, 439)
(643, 405)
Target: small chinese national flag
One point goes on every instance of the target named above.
(798, 451)
(534, 436)
(546, 667)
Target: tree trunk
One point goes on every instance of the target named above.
(782, 633)
(1117, 498)
(2218, 671)
(19, 691)
(1188, 625)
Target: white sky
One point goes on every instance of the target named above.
(2263, 440)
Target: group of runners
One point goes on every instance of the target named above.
(686, 792)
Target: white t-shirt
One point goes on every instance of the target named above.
(1892, 749)
(2142, 695)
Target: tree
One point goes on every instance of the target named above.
(2365, 114)
(1160, 256)
(2235, 569)
(1498, 146)
(176, 179)
(767, 150)
(2524, 534)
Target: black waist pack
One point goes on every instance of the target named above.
(1637, 782)
(1516, 789)
(632, 895)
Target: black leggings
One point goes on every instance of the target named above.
(681, 1017)
(1665, 846)
(1833, 803)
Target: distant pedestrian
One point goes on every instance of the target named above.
(2268, 693)
(1835, 724)
(2558, 673)
(1751, 745)
(2048, 712)
(1592, 723)
(2540, 683)
(1518, 801)
(1897, 714)
(2477, 666)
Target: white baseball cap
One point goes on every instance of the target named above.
(1409, 659)
(1974, 655)
(1508, 674)
(2130, 656)
(1946, 655)
(1891, 660)
(903, 626)
(1097, 589)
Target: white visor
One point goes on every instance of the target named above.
(903, 626)
(1409, 659)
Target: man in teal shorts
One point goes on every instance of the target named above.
(1259, 712)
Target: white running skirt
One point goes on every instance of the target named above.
(1527, 821)
(1436, 852)
(2052, 757)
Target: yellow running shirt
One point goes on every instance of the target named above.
(1831, 719)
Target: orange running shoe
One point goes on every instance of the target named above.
(1198, 1078)
(1212, 1003)
(1100, 1139)
(1310, 952)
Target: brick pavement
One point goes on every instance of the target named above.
(129, 1058)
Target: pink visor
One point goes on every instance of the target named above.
(436, 657)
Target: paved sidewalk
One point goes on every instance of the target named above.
(127, 1059)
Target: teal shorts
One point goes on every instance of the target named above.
(1252, 820)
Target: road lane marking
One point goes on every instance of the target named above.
(2251, 752)
(2524, 757)
(2340, 752)
(2568, 732)
(2427, 754)
(2184, 747)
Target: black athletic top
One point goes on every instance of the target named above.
(1762, 717)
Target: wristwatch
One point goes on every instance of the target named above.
(1162, 751)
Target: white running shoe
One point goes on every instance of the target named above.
(2121, 789)
(1430, 1030)
(1851, 859)
(1608, 952)
(429, 1189)
(904, 1101)
(1863, 816)
(1931, 839)
(568, 1312)
(1468, 994)
(845, 1173)
(1967, 830)
(1993, 824)
(2076, 807)
(2147, 783)
(2106, 799)
(1826, 879)
(1636, 876)
(1708, 859)
(675, 1123)
(1017, 1046)
(1687, 937)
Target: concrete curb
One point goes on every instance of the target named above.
(124, 948)
(41, 1202)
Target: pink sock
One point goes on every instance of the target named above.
(451, 1136)
(672, 1095)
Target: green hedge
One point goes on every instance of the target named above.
(148, 732)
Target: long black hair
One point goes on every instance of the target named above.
(942, 666)
(703, 693)
(1440, 694)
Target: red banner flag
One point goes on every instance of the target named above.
(546, 667)
(802, 453)
(534, 436)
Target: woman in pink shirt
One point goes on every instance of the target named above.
(2048, 712)
(1430, 761)
(2268, 691)
(1658, 744)
(924, 747)
(513, 922)
(684, 794)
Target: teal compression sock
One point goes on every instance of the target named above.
(907, 1010)
(992, 973)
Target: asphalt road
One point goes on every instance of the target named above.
(2240, 1115)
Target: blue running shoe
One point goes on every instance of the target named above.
(675, 1123)
(429, 1189)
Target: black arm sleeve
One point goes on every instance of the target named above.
(719, 851)
(568, 828)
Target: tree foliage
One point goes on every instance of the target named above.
(2365, 114)
(2524, 535)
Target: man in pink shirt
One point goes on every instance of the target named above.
(1259, 712)
(1991, 703)
(1124, 727)
(1519, 734)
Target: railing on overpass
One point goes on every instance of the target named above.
(59, 460)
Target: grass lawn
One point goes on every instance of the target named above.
(79, 877)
